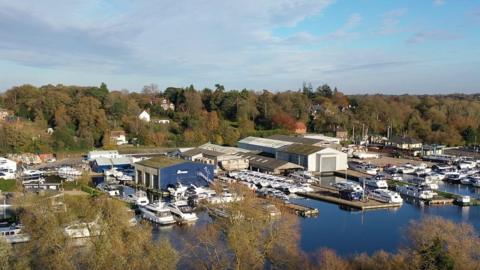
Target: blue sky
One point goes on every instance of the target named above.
(360, 46)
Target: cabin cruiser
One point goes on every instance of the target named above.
(386, 195)
(455, 177)
(345, 185)
(13, 234)
(6, 175)
(182, 212)
(363, 167)
(67, 172)
(32, 176)
(177, 191)
(416, 192)
(375, 182)
(158, 213)
(138, 198)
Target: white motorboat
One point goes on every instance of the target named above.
(13, 234)
(138, 198)
(158, 213)
(68, 172)
(182, 212)
(375, 182)
(416, 192)
(386, 195)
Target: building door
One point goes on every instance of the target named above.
(329, 164)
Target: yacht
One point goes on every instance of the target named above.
(138, 198)
(376, 182)
(13, 234)
(158, 213)
(182, 212)
(416, 192)
(386, 195)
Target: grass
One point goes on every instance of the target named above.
(8, 185)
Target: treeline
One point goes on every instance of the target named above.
(81, 118)
(249, 239)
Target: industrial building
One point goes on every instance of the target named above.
(103, 164)
(262, 145)
(92, 155)
(161, 172)
(314, 158)
(269, 165)
(219, 160)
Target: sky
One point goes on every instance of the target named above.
(359, 46)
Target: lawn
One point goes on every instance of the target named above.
(8, 185)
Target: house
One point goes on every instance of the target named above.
(341, 133)
(92, 155)
(300, 128)
(161, 172)
(118, 137)
(4, 114)
(314, 158)
(404, 142)
(144, 116)
(167, 105)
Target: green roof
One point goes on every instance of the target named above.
(160, 162)
(301, 149)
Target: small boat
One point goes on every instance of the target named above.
(158, 213)
(138, 198)
(182, 212)
(386, 195)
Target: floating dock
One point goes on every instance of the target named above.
(331, 195)
(301, 210)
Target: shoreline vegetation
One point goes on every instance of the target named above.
(74, 119)
(255, 241)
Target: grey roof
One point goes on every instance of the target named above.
(263, 142)
(301, 149)
(295, 139)
(272, 164)
(197, 151)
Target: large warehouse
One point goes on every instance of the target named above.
(314, 158)
(263, 145)
(161, 172)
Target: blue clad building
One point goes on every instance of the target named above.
(161, 172)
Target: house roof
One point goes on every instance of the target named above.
(404, 140)
(271, 164)
(301, 149)
(295, 139)
(160, 162)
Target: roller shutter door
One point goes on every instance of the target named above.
(329, 164)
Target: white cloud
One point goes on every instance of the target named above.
(390, 21)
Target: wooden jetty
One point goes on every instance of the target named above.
(331, 195)
(301, 210)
